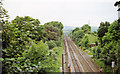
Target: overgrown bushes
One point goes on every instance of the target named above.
(27, 46)
(51, 44)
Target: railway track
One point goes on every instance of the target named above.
(75, 60)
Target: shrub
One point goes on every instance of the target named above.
(58, 43)
(85, 42)
(51, 44)
(38, 58)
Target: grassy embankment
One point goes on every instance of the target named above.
(92, 39)
(59, 56)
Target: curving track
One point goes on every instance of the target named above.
(75, 60)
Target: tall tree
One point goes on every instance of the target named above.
(3, 14)
(86, 28)
(54, 30)
(116, 3)
(76, 29)
(111, 48)
(77, 36)
(18, 34)
(103, 28)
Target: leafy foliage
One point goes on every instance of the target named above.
(57, 24)
(85, 42)
(80, 37)
(86, 28)
(51, 44)
(109, 49)
(102, 30)
(76, 29)
(107, 41)
(27, 45)
(54, 30)
(77, 36)
(38, 58)
(18, 34)
(3, 15)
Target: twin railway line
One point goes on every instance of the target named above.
(75, 60)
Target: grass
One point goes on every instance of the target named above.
(59, 58)
(89, 53)
(59, 51)
(97, 61)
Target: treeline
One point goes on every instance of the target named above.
(28, 46)
(108, 49)
(81, 36)
(107, 43)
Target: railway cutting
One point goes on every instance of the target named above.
(75, 60)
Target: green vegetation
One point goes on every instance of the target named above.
(92, 38)
(86, 28)
(107, 40)
(28, 46)
(82, 36)
(109, 47)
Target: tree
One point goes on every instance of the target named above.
(56, 24)
(110, 47)
(77, 36)
(18, 34)
(116, 3)
(4, 18)
(85, 42)
(54, 30)
(86, 28)
(51, 44)
(103, 28)
(76, 29)
(3, 15)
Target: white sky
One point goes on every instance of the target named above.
(69, 12)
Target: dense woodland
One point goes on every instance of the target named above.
(28, 46)
(107, 40)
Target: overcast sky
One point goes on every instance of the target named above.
(69, 12)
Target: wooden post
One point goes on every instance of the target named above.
(62, 64)
(69, 69)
